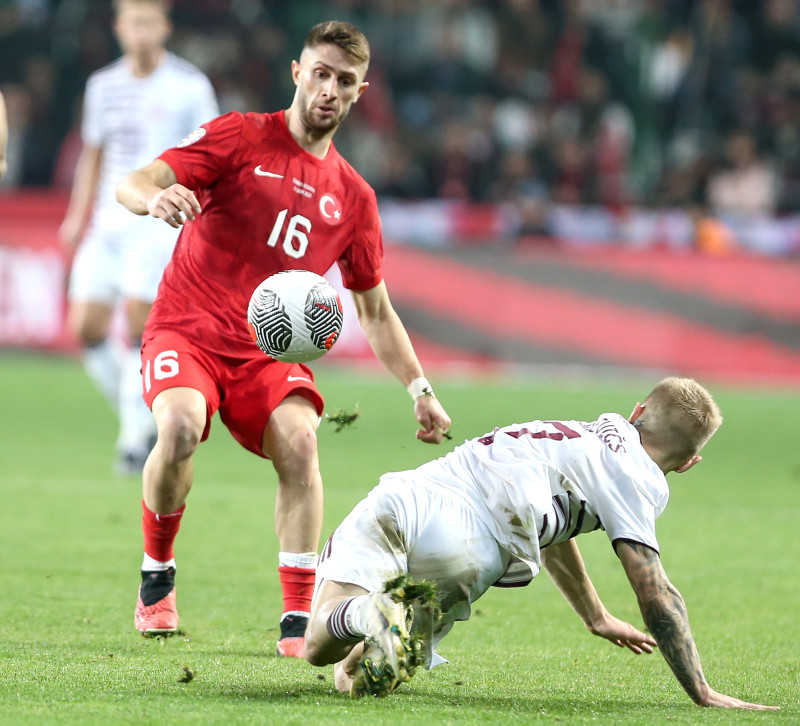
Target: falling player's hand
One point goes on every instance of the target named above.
(714, 698)
(432, 417)
(623, 634)
(175, 205)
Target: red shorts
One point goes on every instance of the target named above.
(245, 390)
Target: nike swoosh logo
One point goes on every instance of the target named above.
(260, 172)
(297, 378)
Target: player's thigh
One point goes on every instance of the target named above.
(95, 272)
(366, 549)
(136, 312)
(408, 525)
(255, 389)
(170, 361)
(456, 550)
(148, 244)
(90, 321)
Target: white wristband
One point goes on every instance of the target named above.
(420, 387)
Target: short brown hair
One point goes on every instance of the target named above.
(344, 35)
(679, 417)
(117, 5)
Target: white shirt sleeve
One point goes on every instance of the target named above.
(92, 123)
(626, 511)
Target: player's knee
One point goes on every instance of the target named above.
(295, 451)
(89, 324)
(178, 435)
(136, 315)
(88, 335)
(314, 654)
(304, 443)
(318, 644)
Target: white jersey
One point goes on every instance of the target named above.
(542, 482)
(134, 119)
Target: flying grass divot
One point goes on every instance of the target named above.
(342, 419)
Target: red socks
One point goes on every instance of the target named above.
(160, 531)
(297, 584)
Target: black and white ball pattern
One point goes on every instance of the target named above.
(295, 316)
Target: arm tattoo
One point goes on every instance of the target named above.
(664, 612)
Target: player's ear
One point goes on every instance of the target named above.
(296, 72)
(363, 87)
(689, 464)
(637, 411)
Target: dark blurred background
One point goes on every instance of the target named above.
(607, 102)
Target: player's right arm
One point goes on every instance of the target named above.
(664, 613)
(84, 188)
(154, 190)
(564, 564)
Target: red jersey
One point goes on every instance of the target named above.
(268, 205)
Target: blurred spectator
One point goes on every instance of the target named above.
(747, 186)
(666, 77)
(721, 44)
(571, 177)
(568, 53)
(402, 177)
(613, 146)
(669, 64)
(518, 183)
(454, 171)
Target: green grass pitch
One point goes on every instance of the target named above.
(71, 549)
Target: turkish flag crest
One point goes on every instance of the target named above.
(330, 209)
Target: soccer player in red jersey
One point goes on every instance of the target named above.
(257, 194)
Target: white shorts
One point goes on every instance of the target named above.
(412, 526)
(126, 261)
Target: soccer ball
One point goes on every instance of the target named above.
(295, 316)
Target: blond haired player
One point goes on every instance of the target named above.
(491, 513)
(133, 108)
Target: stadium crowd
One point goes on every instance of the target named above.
(608, 102)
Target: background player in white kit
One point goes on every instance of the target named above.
(492, 512)
(134, 108)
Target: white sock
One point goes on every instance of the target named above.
(103, 365)
(137, 427)
(358, 618)
(151, 565)
(306, 560)
(347, 621)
